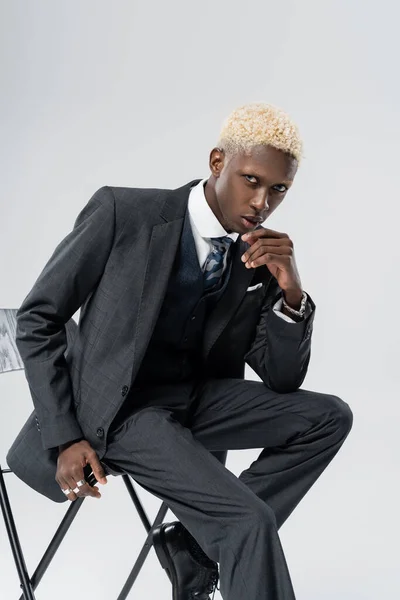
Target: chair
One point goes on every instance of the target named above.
(10, 360)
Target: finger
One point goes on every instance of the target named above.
(262, 248)
(71, 481)
(85, 489)
(280, 260)
(97, 468)
(63, 483)
(67, 477)
(252, 261)
(254, 244)
(88, 490)
(263, 232)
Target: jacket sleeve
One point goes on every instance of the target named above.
(65, 282)
(280, 352)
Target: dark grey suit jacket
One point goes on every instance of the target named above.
(115, 265)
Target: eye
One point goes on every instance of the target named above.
(252, 177)
(280, 188)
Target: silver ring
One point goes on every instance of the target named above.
(76, 490)
(80, 483)
(67, 491)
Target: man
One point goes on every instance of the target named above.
(179, 289)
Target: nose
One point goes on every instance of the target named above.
(260, 204)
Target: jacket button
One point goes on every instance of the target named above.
(100, 432)
(124, 390)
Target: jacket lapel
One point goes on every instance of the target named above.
(161, 253)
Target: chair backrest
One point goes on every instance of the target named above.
(10, 359)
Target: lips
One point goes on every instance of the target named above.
(249, 224)
(255, 220)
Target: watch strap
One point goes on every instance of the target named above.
(302, 309)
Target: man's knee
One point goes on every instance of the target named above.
(338, 410)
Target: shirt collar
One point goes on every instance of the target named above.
(203, 217)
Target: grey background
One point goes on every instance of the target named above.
(133, 94)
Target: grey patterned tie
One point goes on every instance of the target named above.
(214, 264)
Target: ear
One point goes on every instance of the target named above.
(217, 161)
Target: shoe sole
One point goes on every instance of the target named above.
(162, 553)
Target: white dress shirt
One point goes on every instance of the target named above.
(205, 225)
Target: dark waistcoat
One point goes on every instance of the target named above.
(174, 351)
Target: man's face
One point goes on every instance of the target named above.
(249, 185)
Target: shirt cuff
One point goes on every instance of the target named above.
(277, 308)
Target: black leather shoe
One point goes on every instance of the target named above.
(193, 574)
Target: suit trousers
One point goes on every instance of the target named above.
(165, 442)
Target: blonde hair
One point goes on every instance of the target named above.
(257, 124)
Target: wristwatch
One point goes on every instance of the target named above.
(302, 309)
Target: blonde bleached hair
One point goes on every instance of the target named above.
(258, 124)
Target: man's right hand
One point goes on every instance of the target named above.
(71, 460)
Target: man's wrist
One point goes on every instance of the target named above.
(294, 318)
(293, 298)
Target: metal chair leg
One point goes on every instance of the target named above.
(143, 553)
(14, 542)
(137, 503)
(55, 542)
